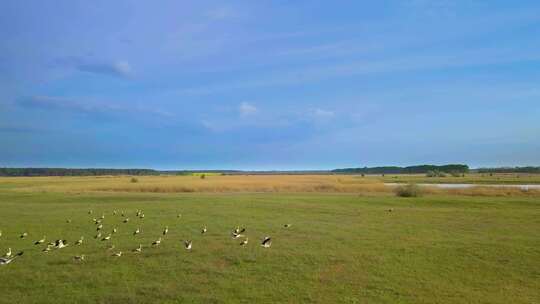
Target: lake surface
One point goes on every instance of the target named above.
(465, 186)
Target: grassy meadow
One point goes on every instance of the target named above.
(344, 246)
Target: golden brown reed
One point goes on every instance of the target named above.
(236, 184)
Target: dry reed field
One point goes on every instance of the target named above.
(368, 185)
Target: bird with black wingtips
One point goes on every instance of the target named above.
(115, 230)
(267, 242)
(244, 242)
(40, 241)
(99, 227)
(156, 242)
(204, 230)
(23, 235)
(79, 258)
(98, 235)
(5, 261)
(187, 244)
(59, 244)
(126, 220)
(137, 231)
(108, 237)
(111, 247)
(235, 235)
(79, 241)
(166, 230)
(117, 254)
(8, 253)
(287, 226)
(47, 249)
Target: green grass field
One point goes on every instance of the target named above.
(341, 248)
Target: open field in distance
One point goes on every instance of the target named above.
(368, 185)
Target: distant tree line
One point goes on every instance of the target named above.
(421, 169)
(73, 172)
(510, 170)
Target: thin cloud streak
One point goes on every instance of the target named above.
(70, 105)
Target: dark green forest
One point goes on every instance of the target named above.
(458, 168)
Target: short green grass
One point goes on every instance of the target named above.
(341, 248)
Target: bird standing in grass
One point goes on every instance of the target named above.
(78, 258)
(187, 244)
(166, 230)
(99, 227)
(40, 241)
(23, 235)
(80, 241)
(0, 233)
(287, 226)
(108, 237)
(126, 220)
(59, 244)
(68, 221)
(267, 242)
(98, 235)
(5, 261)
(47, 249)
(244, 242)
(117, 254)
(137, 231)
(235, 235)
(115, 230)
(156, 242)
(138, 249)
(111, 247)
(8, 253)
(204, 230)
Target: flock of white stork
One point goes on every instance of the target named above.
(9, 256)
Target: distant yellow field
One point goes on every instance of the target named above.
(241, 183)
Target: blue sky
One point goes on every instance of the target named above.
(269, 84)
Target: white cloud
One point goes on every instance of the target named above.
(247, 109)
(52, 103)
(119, 68)
(321, 114)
